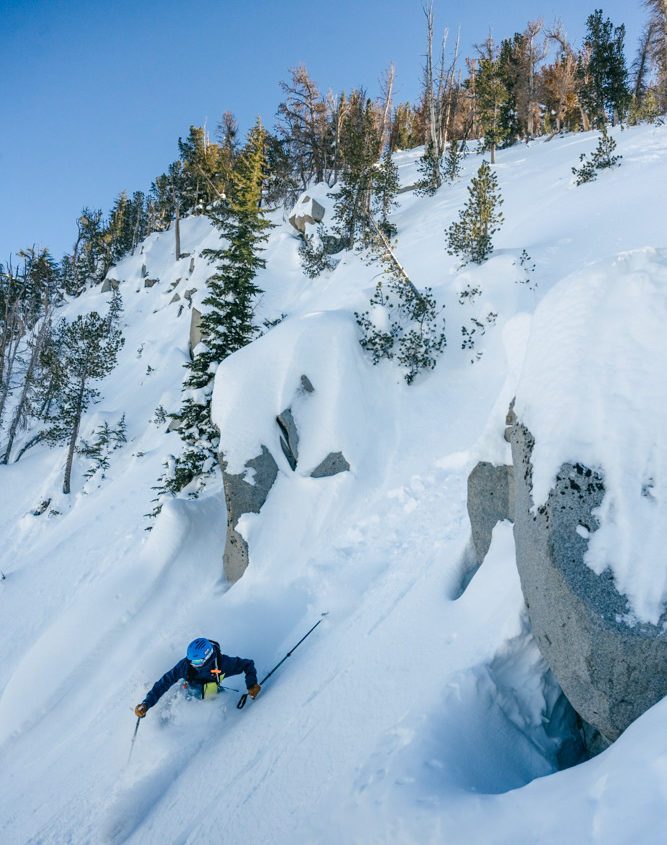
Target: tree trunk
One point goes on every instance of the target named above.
(27, 381)
(33, 440)
(73, 438)
(177, 231)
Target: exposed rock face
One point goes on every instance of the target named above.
(109, 285)
(195, 328)
(334, 463)
(245, 493)
(306, 210)
(289, 437)
(490, 500)
(149, 283)
(611, 671)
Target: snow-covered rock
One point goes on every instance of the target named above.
(245, 492)
(307, 210)
(591, 474)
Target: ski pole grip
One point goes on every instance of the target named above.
(242, 701)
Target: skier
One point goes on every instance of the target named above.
(203, 669)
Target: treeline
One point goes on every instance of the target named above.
(534, 83)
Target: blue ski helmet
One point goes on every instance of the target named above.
(199, 651)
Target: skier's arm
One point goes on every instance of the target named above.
(236, 665)
(179, 671)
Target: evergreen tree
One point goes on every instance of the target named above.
(471, 236)
(119, 231)
(313, 253)
(360, 147)
(402, 323)
(602, 71)
(494, 101)
(404, 132)
(304, 127)
(39, 298)
(452, 163)
(106, 439)
(228, 323)
(602, 158)
(430, 169)
(88, 261)
(202, 172)
(385, 188)
(88, 350)
(138, 219)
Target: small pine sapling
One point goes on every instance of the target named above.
(402, 323)
(452, 163)
(160, 416)
(313, 254)
(601, 158)
(477, 329)
(471, 236)
(526, 266)
(106, 439)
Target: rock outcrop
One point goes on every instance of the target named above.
(333, 464)
(245, 493)
(306, 210)
(490, 500)
(610, 669)
(195, 328)
(289, 437)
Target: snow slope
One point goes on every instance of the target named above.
(418, 711)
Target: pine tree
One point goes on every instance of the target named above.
(360, 148)
(105, 440)
(602, 71)
(313, 253)
(494, 100)
(88, 262)
(384, 190)
(228, 323)
(430, 170)
(88, 349)
(404, 133)
(452, 163)
(471, 236)
(601, 158)
(119, 231)
(202, 171)
(27, 298)
(402, 323)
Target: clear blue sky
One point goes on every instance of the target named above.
(95, 93)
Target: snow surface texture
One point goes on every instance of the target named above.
(414, 713)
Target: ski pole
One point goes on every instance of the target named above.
(134, 736)
(244, 697)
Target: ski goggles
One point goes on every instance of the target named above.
(199, 661)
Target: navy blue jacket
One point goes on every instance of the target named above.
(201, 675)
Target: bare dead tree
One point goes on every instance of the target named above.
(387, 93)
